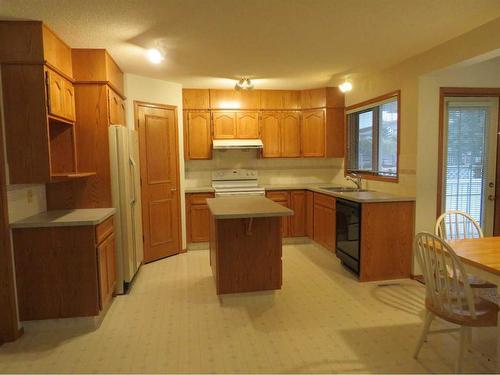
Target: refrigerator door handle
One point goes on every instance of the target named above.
(133, 165)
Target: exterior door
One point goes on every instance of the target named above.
(470, 147)
(158, 148)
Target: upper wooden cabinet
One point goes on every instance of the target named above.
(96, 65)
(33, 42)
(326, 97)
(233, 99)
(280, 134)
(60, 96)
(116, 108)
(224, 124)
(313, 133)
(232, 125)
(195, 99)
(279, 99)
(197, 135)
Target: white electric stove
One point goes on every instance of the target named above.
(230, 182)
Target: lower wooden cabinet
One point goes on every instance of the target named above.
(295, 225)
(324, 220)
(64, 271)
(197, 217)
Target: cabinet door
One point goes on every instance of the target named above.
(247, 125)
(111, 263)
(271, 135)
(313, 133)
(309, 214)
(198, 135)
(298, 220)
(224, 125)
(282, 197)
(69, 100)
(290, 134)
(55, 94)
(200, 222)
(102, 260)
(324, 226)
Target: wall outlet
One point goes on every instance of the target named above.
(29, 196)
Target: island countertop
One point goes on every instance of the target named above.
(65, 218)
(245, 207)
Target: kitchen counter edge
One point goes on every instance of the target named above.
(65, 218)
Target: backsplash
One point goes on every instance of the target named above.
(25, 200)
(271, 171)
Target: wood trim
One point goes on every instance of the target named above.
(9, 325)
(369, 175)
(463, 92)
(137, 104)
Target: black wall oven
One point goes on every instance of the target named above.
(348, 234)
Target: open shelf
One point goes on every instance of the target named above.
(61, 177)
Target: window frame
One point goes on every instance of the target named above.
(367, 106)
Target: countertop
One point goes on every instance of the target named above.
(360, 197)
(245, 207)
(65, 218)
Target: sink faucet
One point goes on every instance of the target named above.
(356, 178)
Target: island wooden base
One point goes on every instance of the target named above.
(245, 254)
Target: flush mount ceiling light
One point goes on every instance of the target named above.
(345, 86)
(244, 84)
(155, 55)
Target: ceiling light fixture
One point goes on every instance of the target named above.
(244, 84)
(155, 55)
(345, 86)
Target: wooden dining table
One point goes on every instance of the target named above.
(481, 258)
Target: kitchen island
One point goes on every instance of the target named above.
(245, 243)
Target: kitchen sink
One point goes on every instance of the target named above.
(344, 189)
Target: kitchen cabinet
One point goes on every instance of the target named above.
(271, 134)
(197, 217)
(195, 99)
(64, 271)
(98, 84)
(313, 133)
(60, 96)
(324, 220)
(235, 99)
(197, 135)
(283, 198)
(309, 214)
(38, 105)
(295, 225)
(298, 221)
(235, 125)
(116, 108)
(280, 100)
(280, 134)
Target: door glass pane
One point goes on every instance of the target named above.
(365, 140)
(388, 138)
(466, 157)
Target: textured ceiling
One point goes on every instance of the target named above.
(280, 43)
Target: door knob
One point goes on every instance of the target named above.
(173, 189)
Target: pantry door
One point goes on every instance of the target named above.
(470, 153)
(158, 149)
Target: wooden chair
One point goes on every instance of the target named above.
(448, 294)
(456, 225)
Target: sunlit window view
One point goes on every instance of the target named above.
(373, 139)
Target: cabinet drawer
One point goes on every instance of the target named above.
(324, 200)
(277, 195)
(104, 229)
(199, 198)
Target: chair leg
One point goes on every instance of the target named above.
(429, 316)
(461, 349)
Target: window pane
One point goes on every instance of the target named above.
(388, 138)
(365, 140)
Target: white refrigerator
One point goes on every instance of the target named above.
(125, 185)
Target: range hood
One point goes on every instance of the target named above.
(231, 144)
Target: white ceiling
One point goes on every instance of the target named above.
(280, 43)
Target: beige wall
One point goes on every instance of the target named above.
(160, 92)
(484, 74)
